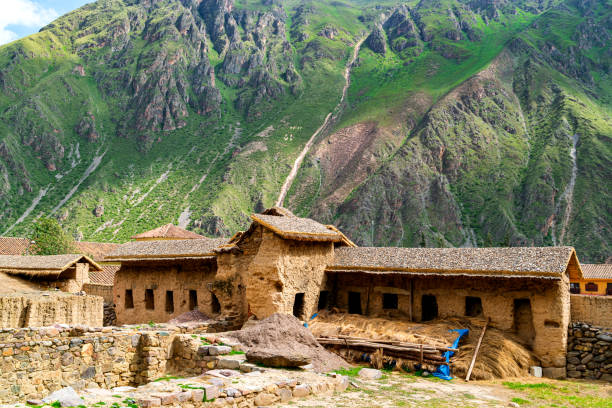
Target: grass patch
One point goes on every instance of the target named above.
(564, 394)
(349, 372)
(167, 378)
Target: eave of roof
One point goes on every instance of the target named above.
(37, 264)
(547, 262)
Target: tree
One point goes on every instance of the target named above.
(50, 239)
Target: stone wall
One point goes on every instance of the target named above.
(589, 352)
(595, 310)
(36, 362)
(47, 308)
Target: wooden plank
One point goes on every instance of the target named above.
(484, 329)
(411, 296)
(392, 342)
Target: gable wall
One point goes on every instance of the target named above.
(282, 268)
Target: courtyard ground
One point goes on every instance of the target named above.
(407, 390)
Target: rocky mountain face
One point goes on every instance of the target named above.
(473, 123)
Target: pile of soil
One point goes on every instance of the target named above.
(193, 316)
(501, 354)
(286, 335)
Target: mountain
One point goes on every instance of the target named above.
(418, 123)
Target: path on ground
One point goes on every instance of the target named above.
(298, 161)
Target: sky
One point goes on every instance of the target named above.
(20, 18)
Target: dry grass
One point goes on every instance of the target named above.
(500, 356)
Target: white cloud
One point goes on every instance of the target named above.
(26, 13)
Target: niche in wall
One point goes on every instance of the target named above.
(149, 299)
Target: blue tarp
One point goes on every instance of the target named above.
(443, 370)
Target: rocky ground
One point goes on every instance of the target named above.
(406, 390)
(303, 388)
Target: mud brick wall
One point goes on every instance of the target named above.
(29, 310)
(589, 352)
(590, 309)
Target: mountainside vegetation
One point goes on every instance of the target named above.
(459, 123)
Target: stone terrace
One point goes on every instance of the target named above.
(105, 364)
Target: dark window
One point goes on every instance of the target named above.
(354, 302)
(429, 307)
(149, 299)
(169, 301)
(590, 287)
(609, 289)
(193, 299)
(390, 301)
(473, 306)
(298, 305)
(215, 305)
(323, 300)
(129, 299)
(574, 287)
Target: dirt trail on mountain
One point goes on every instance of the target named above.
(300, 158)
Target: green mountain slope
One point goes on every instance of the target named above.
(465, 122)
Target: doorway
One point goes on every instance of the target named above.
(523, 320)
(354, 303)
(323, 300)
(193, 299)
(429, 308)
(215, 305)
(298, 305)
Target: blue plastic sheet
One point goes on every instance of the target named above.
(443, 371)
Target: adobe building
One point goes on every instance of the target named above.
(67, 273)
(281, 261)
(288, 264)
(159, 280)
(28, 298)
(524, 290)
(596, 280)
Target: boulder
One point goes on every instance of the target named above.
(370, 374)
(277, 358)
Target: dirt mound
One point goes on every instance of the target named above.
(286, 335)
(193, 316)
(501, 354)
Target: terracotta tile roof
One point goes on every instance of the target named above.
(516, 261)
(166, 249)
(104, 277)
(596, 271)
(303, 229)
(168, 231)
(97, 250)
(41, 264)
(13, 246)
